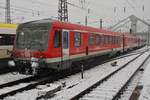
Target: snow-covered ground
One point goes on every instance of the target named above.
(73, 80)
(97, 76)
(98, 72)
(145, 81)
(9, 77)
(108, 89)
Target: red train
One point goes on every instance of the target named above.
(56, 45)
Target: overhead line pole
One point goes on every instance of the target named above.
(101, 23)
(86, 21)
(7, 12)
(63, 11)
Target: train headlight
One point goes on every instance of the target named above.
(11, 63)
(34, 64)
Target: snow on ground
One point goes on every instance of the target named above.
(8, 89)
(141, 49)
(64, 95)
(72, 80)
(145, 81)
(9, 77)
(109, 88)
(133, 84)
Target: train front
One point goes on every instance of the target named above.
(30, 47)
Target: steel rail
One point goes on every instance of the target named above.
(117, 96)
(76, 97)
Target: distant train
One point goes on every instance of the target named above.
(58, 45)
(7, 36)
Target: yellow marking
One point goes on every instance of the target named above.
(8, 25)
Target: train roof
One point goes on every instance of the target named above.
(39, 21)
(66, 25)
(75, 27)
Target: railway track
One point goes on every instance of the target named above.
(32, 82)
(105, 84)
(134, 84)
(126, 55)
(14, 87)
(11, 88)
(19, 81)
(113, 86)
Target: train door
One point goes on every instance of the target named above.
(65, 49)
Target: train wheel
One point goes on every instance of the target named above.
(28, 71)
(25, 70)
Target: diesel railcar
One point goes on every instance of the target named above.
(57, 45)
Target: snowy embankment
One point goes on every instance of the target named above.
(145, 81)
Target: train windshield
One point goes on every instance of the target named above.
(33, 36)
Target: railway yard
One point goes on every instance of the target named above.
(74, 50)
(108, 82)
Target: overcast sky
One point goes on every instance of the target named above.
(25, 10)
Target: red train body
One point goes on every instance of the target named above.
(56, 45)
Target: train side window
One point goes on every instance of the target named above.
(97, 39)
(106, 39)
(119, 40)
(116, 42)
(91, 39)
(103, 40)
(77, 39)
(113, 40)
(6, 39)
(57, 38)
(110, 37)
(1, 40)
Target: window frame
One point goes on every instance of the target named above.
(91, 39)
(79, 39)
(7, 39)
(106, 39)
(102, 39)
(97, 39)
(59, 38)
